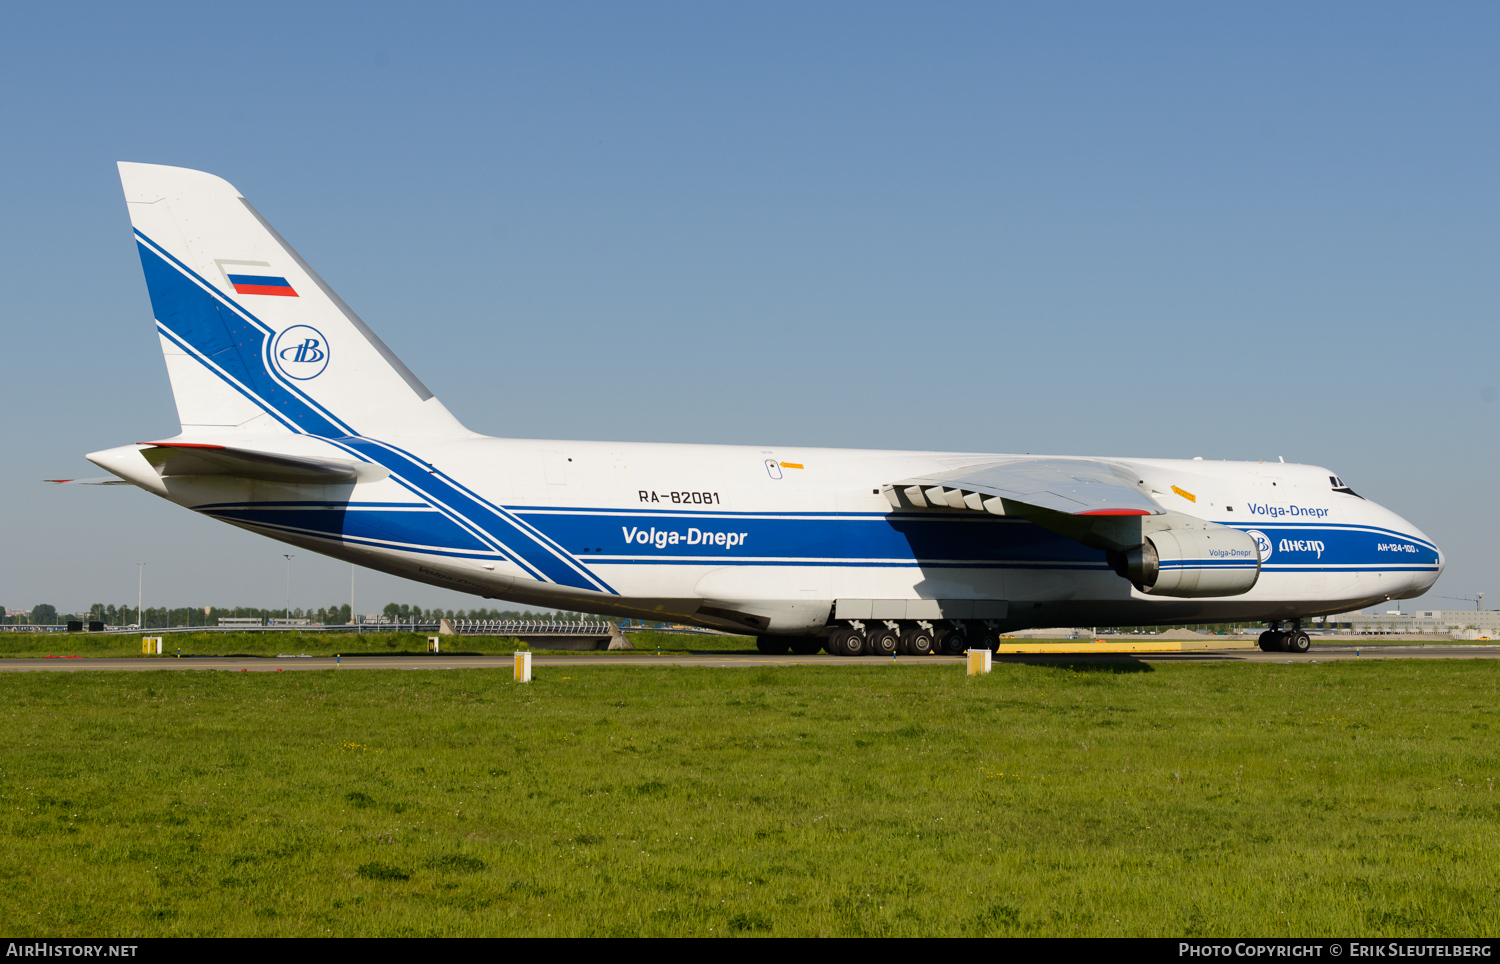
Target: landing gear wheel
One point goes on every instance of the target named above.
(1270, 641)
(985, 639)
(880, 642)
(1297, 642)
(955, 643)
(772, 645)
(917, 642)
(806, 645)
(847, 642)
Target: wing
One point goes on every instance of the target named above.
(1102, 505)
(100, 480)
(1072, 486)
(1098, 503)
(190, 458)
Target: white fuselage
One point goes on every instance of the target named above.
(773, 538)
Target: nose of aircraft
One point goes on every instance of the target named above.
(1426, 563)
(1424, 580)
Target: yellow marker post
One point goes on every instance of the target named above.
(432, 644)
(523, 667)
(979, 661)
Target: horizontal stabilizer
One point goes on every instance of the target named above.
(190, 458)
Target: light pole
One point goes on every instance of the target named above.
(288, 556)
(140, 581)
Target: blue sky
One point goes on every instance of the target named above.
(1157, 230)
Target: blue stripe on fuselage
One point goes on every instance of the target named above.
(1335, 546)
(907, 538)
(899, 539)
(599, 537)
(428, 528)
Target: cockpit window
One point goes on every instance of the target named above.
(1339, 486)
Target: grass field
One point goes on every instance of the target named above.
(1095, 799)
(323, 644)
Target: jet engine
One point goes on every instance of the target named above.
(1211, 561)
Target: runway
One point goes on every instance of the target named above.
(543, 660)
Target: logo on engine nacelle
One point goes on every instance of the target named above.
(1262, 542)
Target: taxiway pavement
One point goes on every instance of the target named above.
(543, 660)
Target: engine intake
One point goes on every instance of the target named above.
(1213, 561)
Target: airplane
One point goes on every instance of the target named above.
(298, 423)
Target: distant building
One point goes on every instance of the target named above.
(1465, 623)
(241, 621)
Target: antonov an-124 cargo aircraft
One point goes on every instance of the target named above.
(300, 424)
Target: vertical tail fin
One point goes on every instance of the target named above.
(254, 339)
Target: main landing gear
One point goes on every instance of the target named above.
(890, 637)
(1290, 639)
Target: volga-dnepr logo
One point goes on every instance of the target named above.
(1261, 541)
(300, 352)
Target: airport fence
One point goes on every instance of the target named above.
(464, 627)
(527, 627)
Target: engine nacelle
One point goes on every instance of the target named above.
(1211, 561)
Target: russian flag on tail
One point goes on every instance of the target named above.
(261, 284)
(255, 278)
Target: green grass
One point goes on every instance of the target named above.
(323, 644)
(1092, 799)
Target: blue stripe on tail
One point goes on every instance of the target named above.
(231, 342)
